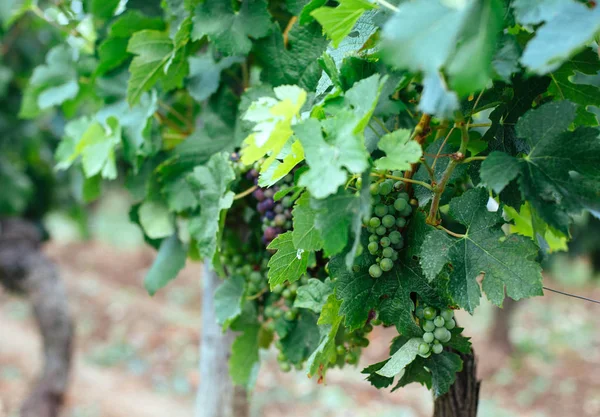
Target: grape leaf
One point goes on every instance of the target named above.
(507, 261)
(327, 159)
(437, 99)
(296, 64)
(244, 361)
(229, 298)
(52, 83)
(305, 234)
(556, 41)
(443, 368)
(400, 151)
(167, 264)
(556, 182)
(524, 225)
(211, 184)
(302, 340)
(416, 371)
(533, 12)
(403, 356)
(325, 354)
(333, 217)
(506, 60)
(156, 220)
(229, 30)
(313, 295)
(338, 22)
(156, 58)
(112, 51)
(94, 143)
(104, 9)
(378, 381)
(273, 119)
(205, 74)
(362, 99)
(288, 263)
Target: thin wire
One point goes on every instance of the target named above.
(572, 295)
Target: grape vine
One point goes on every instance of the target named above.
(343, 164)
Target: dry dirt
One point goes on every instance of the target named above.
(137, 355)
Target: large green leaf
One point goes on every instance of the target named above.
(314, 295)
(302, 339)
(205, 74)
(338, 22)
(211, 184)
(243, 362)
(508, 262)
(399, 360)
(230, 30)
(305, 234)
(400, 151)
(288, 263)
(560, 174)
(169, 261)
(229, 299)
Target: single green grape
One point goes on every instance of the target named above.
(400, 204)
(442, 334)
(376, 322)
(395, 237)
(428, 326)
(269, 311)
(287, 294)
(362, 342)
(419, 312)
(375, 271)
(400, 222)
(256, 276)
(429, 313)
(407, 211)
(385, 188)
(387, 252)
(386, 264)
(374, 222)
(278, 289)
(277, 313)
(388, 221)
(447, 314)
(381, 230)
(281, 357)
(403, 195)
(423, 349)
(290, 315)
(374, 188)
(373, 247)
(397, 174)
(340, 350)
(380, 210)
(439, 321)
(385, 241)
(373, 238)
(368, 328)
(437, 349)
(428, 337)
(285, 366)
(351, 358)
(450, 324)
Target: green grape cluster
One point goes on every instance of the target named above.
(437, 325)
(391, 208)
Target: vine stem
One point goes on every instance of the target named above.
(258, 294)
(245, 193)
(439, 189)
(408, 180)
(176, 114)
(442, 147)
(380, 123)
(387, 5)
(474, 158)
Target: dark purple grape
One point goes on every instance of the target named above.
(259, 194)
(261, 207)
(270, 215)
(268, 204)
(234, 157)
(270, 233)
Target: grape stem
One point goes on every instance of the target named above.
(457, 159)
(176, 114)
(474, 158)
(258, 294)
(246, 192)
(591, 300)
(409, 180)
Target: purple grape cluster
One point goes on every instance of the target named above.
(276, 216)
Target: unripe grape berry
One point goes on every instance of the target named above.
(428, 326)
(450, 324)
(381, 230)
(359, 182)
(373, 247)
(368, 328)
(278, 289)
(374, 222)
(429, 313)
(380, 210)
(447, 314)
(400, 204)
(375, 271)
(388, 221)
(386, 264)
(442, 334)
(269, 311)
(374, 189)
(277, 313)
(400, 221)
(397, 174)
(290, 315)
(285, 366)
(255, 276)
(387, 252)
(403, 195)
(385, 241)
(362, 342)
(281, 357)
(419, 312)
(351, 358)
(428, 337)
(376, 322)
(287, 294)
(439, 321)
(423, 349)
(395, 237)
(373, 238)
(385, 188)
(406, 212)
(437, 349)
(340, 350)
